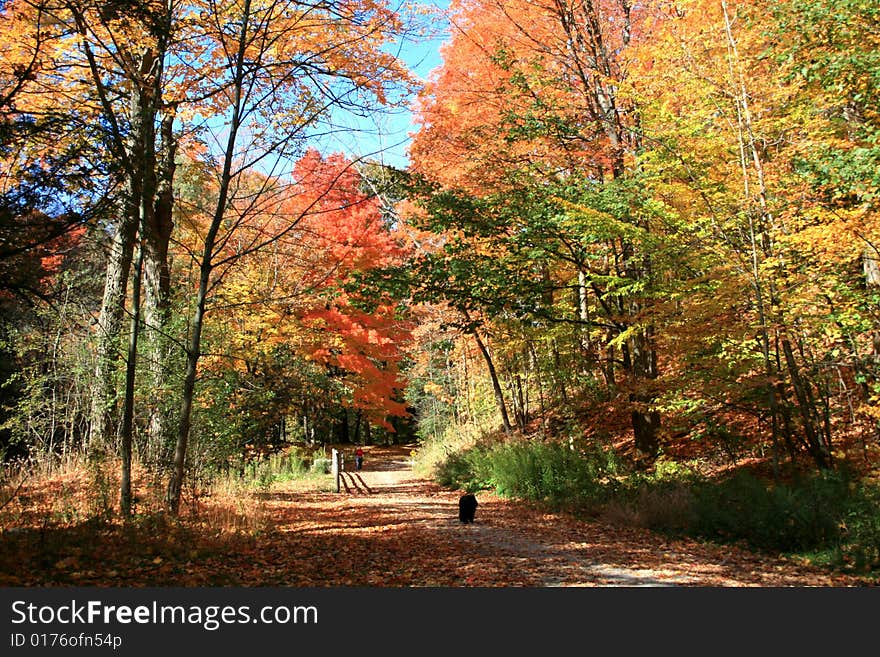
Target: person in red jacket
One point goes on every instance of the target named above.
(359, 458)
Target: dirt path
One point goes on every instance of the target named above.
(388, 527)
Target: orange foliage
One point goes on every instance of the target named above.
(516, 92)
(319, 233)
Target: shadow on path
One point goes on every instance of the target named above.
(354, 483)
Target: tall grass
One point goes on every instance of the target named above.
(548, 472)
(552, 473)
(307, 469)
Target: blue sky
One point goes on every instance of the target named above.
(384, 136)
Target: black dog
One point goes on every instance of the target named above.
(467, 507)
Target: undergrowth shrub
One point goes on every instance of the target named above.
(321, 465)
(782, 517)
(661, 499)
(552, 473)
(859, 544)
(468, 469)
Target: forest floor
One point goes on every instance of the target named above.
(385, 528)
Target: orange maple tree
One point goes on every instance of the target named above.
(299, 292)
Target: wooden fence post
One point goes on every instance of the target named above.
(336, 466)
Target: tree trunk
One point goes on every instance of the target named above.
(496, 384)
(126, 433)
(559, 375)
(157, 283)
(817, 445)
(358, 418)
(142, 172)
(583, 315)
(521, 402)
(103, 390)
(760, 242)
(343, 435)
(193, 352)
(645, 420)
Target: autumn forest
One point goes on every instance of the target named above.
(631, 271)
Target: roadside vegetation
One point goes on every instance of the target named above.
(828, 518)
